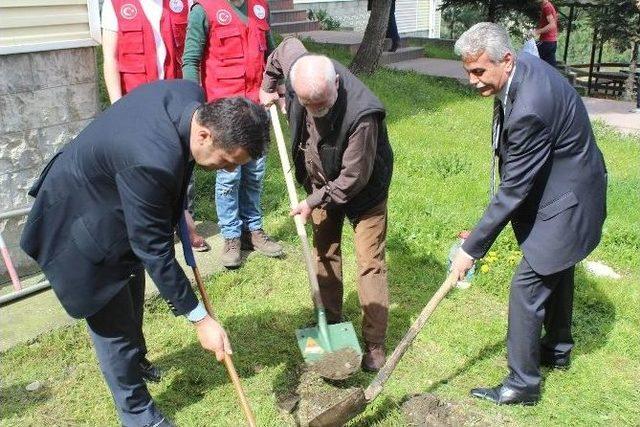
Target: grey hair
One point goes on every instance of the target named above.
(318, 71)
(484, 37)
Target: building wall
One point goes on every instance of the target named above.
(412, 16)
(351, 13)
(46, 98)
(36, 25)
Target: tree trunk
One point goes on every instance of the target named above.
(370, 49)
(633, 66)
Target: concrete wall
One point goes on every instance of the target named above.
(46, 98)
(351, 13)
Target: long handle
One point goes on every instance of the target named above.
(293, 199)
(228, 363)
(231, 370)
(383, 375)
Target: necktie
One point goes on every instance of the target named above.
(498, 117)
(185, 183)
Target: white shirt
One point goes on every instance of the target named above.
(504, 92)
(152, 10)
(502, 96)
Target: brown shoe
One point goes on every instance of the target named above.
(230, 256)
(374, 357)
(259, 240)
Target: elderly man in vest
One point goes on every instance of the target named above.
(226, 47)
(142, 41)
(344, 161)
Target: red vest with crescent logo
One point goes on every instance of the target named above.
(234, 57)
(137, 60)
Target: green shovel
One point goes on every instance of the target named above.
(318, 341)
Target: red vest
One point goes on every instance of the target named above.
(137, 61)
(234, 57)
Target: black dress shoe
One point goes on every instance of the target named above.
(562, 363)
(503, 395)
(149, 371)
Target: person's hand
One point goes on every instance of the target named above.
(268, 98)
(534, 33)
(303, 210)
(461, 264)
(281, 101)
(213, 337)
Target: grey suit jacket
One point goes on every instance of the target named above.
(110, 200)
(552, 174)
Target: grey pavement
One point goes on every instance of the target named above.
(23, 320)
(614, 113)
(433, 67)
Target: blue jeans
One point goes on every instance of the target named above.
(238, 198)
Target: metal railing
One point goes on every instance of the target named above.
(18, 291)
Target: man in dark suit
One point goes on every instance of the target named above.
(552, 189)
(107, 206)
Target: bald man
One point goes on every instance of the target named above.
(344, 161)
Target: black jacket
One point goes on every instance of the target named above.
(553, 176)
(110, 200)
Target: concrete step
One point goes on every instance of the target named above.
(402, 54)
(288, 15)
(280, 5)
(295, 27)
(344, 38)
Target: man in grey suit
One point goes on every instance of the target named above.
(107, 206)
(552, 190)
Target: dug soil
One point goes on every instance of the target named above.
(317, 396)
(427, 410)
(338, 365)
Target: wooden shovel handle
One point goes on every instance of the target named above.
(383, 375)
(293, 199)
(228, 363)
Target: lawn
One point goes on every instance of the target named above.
(440, 133)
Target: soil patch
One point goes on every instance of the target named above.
(338, 365)
(317, 396)
(427, 410)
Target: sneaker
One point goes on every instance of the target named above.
(149, 371)
(259, 240)
(374, 357)
(230, 256)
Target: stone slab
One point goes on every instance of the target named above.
(15, 73)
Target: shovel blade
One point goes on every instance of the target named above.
(314, 344)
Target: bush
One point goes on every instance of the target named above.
(327, 22)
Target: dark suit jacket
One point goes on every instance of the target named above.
(553, 177)
(111, 198)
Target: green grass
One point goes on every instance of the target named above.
(437, 51)
(440, 132)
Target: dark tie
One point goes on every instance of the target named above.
(185, 183)
(496, 132)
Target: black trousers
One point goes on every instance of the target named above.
(547, 52)
(536, 301)
(392, 27)
(116, 331)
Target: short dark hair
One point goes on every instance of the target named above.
(237, 122)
